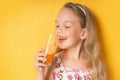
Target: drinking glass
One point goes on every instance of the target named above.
(50, 48)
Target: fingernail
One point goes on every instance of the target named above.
(45, 55)
(45, 60)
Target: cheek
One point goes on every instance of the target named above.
(73, 34)
(68, 33)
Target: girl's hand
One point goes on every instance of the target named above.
(40, 62)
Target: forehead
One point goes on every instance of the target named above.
(66, 15)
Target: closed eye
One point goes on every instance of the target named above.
(57, 26)
(67, 26)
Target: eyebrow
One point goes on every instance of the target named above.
(65, 21)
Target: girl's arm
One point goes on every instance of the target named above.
(50, 70)
(39, 76)
(40, 64)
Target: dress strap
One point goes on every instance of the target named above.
(58, 60)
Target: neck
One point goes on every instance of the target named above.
(74, 52)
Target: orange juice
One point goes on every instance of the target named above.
(50, 57)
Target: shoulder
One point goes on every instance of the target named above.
(57, 58)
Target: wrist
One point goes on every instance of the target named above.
(40, 76)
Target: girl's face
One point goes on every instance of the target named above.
(68, 29)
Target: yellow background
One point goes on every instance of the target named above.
(23, 23)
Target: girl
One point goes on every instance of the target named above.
(77, 57)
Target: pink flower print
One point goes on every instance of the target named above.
(77, 76)
(57, 65)
(69, 77)
(76, 71)
(60, 76)
(56, 74)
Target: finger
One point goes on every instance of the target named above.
(40, 65)
(40, 59)
(41, 50)
(42, 54)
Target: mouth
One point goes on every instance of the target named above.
(62, 39)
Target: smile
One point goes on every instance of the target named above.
(62, 39)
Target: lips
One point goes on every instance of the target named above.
(62, 39)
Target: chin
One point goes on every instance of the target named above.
(63, 47)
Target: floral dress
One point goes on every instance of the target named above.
(62, 72)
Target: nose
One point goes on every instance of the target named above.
(59, 31)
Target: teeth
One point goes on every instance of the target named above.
(62, 38)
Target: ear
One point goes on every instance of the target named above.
(83, 34)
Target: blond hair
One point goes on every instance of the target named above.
(91, 44)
